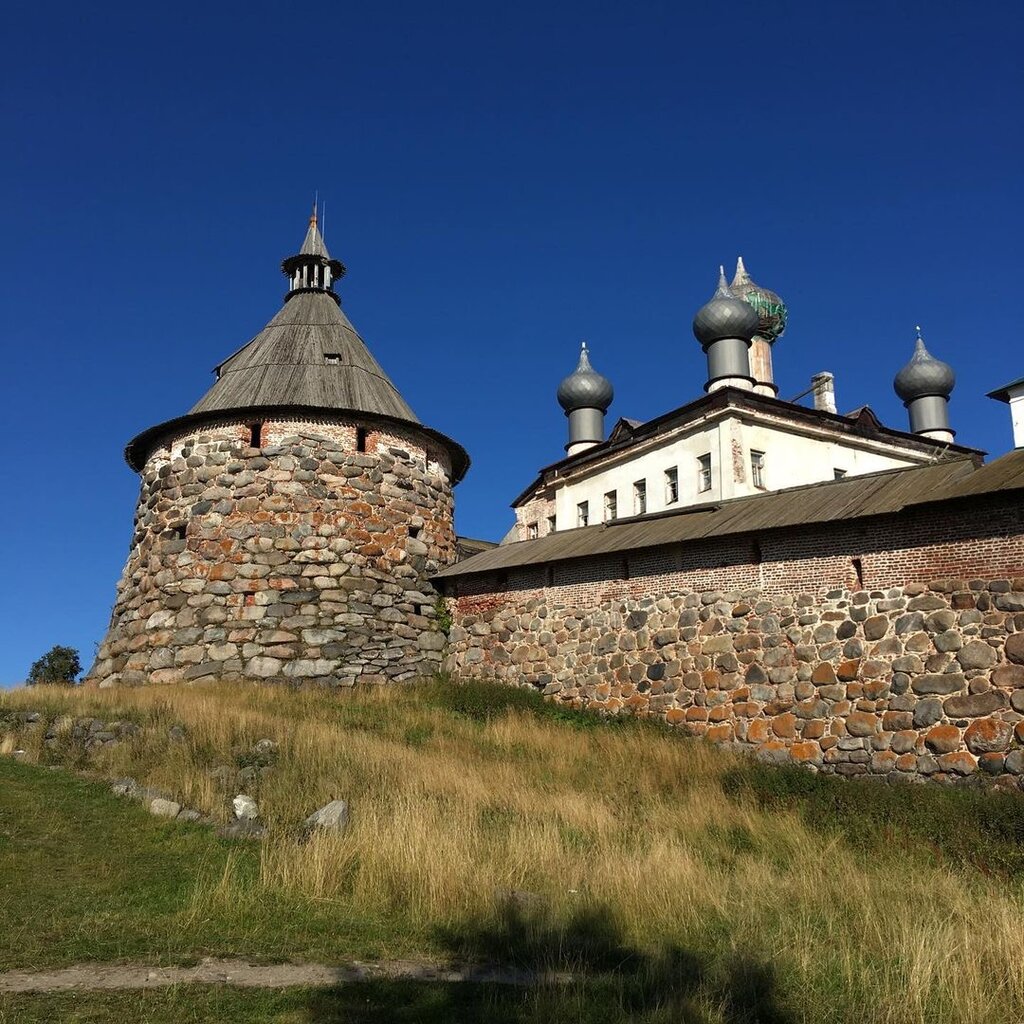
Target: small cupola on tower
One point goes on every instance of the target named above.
(724, 326)
(585, 396)
(924, 386)
(311, 269)
(771, 324)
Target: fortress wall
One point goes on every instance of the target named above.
(300, 560)
(853, 647)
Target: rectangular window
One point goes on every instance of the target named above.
(704, 472)
(583, 513)
(551, 524)
(671, 485)
(839, 473)
(531, 531)
(360, 439)
(639, 497)
(611, 506)
(255, 430)
(757, 469)
(332, 358)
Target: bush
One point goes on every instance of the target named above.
(59, 666)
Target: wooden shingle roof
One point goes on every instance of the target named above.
(308, 355)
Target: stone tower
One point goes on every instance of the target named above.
(288, 524)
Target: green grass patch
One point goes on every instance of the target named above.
(981, 828)
(90, 877)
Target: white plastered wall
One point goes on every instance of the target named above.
(791, 458)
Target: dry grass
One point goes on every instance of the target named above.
(450, 814)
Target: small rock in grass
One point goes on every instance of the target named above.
(265, 748)
(125, 787)
(164, 808)
(245, 808)
(189, 814)
(243, 828)
(331, 817)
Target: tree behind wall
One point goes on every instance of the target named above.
(57, 667)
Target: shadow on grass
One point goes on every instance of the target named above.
(581, 970)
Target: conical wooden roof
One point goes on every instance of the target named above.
(309, 359)
(308, 355)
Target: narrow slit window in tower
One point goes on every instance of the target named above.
(179, 531)
(360, 439)
(858, 568)
(255, 435)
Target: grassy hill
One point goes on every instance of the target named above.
(672, 880)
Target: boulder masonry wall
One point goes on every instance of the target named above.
(909, 678)
(921, 679)
(303, 559)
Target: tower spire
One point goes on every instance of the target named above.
(312, 269)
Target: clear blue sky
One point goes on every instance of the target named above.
(501, 180)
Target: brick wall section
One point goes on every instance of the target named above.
(907, 663)
(301, 560)
(536, 510)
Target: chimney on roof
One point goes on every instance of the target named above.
(824, 386)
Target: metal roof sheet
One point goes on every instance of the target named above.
(850, 498)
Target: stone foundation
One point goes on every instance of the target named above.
(923, 680)
(301, 559)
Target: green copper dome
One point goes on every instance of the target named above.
(771, 310)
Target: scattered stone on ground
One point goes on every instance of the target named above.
(245, 807)
(332, 817)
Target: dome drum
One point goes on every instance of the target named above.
(728, 361)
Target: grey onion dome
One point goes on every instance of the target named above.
(724, 316)
(924, 375)
(585, 388)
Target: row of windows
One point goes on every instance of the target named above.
(671, 484)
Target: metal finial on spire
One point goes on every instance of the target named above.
(723, 290)
(741, 271)
(918, 329)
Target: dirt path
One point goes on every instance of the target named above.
(241, 973)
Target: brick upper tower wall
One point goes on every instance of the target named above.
(302, 560)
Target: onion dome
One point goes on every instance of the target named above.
(585, 388)
(724, 316)
(924, 375)
(771, 310)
